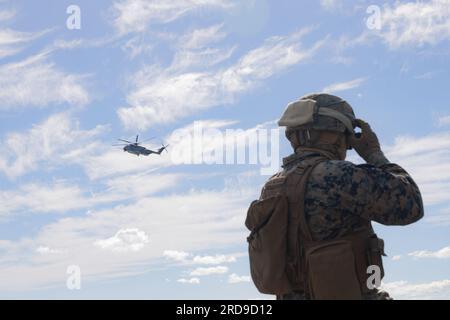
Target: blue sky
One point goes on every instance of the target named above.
(152, 227)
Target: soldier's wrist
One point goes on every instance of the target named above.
(377, 158)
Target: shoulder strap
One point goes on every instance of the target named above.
(295, 191)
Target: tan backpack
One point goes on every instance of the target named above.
(285, 258)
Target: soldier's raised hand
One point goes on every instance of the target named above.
(366, 142)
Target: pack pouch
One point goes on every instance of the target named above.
(331, 271)
(376, 252)
(268, 222)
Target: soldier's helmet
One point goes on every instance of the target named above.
(319, 111)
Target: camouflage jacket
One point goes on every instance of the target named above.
(339, 194)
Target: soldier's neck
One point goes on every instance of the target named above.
(328, 152)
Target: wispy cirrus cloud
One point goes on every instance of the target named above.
(427, 159)
(331, 4)
(7, 14)
(343, 86)
(161, 96)
(443, 121)
(199, 38)
(50, 140)
(61, 197)
(37, 82)
(137, 15)
(415, 23)
(12, 41)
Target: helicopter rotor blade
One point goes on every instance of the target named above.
(125, 141)
(147, 139)
(137, 137)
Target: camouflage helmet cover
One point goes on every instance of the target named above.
(319, 111)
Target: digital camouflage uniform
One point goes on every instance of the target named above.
(339, 193)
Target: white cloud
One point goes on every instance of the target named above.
(34, 198)
(61, 197)
(427, 159)
(217, 259)
(198, 220)
(396, 257)
(443, 121)
(200, 38)
(48, 141)
(426, 76)
(331, 4)
(137, 15)
(136, 46)
(7, 15)
(415, 23)
(189, 281)
(137, 185)
(179, 256)
(47, 250)
(64, 44)
(130, 239)
(188, 258)
(234, 278)
(35, 82)
(443, 253)
(12, 42)
(440, 219)
(343, 86)
(404, 290)
(199, 59)
(163, 95)
(209, 271)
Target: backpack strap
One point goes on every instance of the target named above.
(295, 191)
(295, 186)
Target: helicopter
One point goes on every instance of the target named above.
(137, 149)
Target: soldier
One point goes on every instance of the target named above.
(330, 215)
